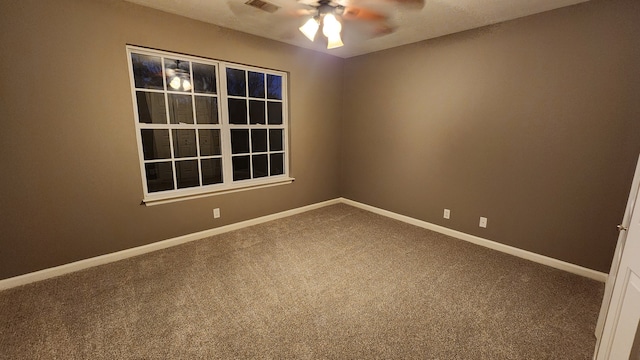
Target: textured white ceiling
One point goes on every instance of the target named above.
(436, 18)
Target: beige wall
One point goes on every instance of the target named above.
(70, 186)
(533, 123)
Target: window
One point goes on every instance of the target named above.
(206, 126)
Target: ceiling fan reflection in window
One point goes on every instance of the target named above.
(177, 73)
(329, 15)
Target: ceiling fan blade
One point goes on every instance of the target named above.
(303, 12)
(418, 4)
(382, 29)
(308, 2)
(358, 13)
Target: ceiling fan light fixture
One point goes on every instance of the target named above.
(331, 28)
(334, 41)
(186, 85)
(310, 28)
(175, 83)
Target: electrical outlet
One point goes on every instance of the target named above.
(216, 213)
(447, 214)
(483, 222)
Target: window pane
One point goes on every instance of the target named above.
(155, 144)
(209, 142)
(178, 75)
(184, 143)
(241, 168)
(237, 111)
(256, 112)
(151, 108)
(180, 109)
(256, 84)
(204, 78)
(159, 176)
(236, 83)
(275, 113)
(187, 173)
(239, 141)
(277, 164)
(258, 140)
(206, 110)
(274, 87)
(147, 71)
(260, 168)
(211, 171)
(275, 140)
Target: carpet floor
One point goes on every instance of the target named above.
(332, 283)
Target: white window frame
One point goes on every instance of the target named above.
(228, 184)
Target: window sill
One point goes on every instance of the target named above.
(170, 198)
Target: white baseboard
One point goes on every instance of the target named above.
(545, 260)
(124, 254)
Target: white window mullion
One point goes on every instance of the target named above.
(195, 123)
(198, 156)
(266, 122)
(285, 122)
(168, 122)
(225, 132)
(246, 104)
(173, 161)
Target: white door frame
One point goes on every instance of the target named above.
(615, 264)
(624, 263)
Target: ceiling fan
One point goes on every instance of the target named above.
(330, 13)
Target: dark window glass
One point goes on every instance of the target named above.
(236, 83)
(277, 164)
(238, 111)
(184, 143)
(259, 140)
(241, 169)
(209, 142)
(178, 75)
(159, 176)
(239, 141)
(274, 110)
(206, 110)
(275, 140)
(151, 108)
(256, 84)
(211, 171)
(147, 71)
(187, 173)
(260, 167)
(155, 144)
(180, 109)
(256, 112)
(204, 78)
(274, 87)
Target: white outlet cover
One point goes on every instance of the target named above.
(447, 213)
(483, 222)
(216, 213)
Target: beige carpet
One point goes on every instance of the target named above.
(333, 283)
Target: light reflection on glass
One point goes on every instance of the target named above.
(178, 74)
